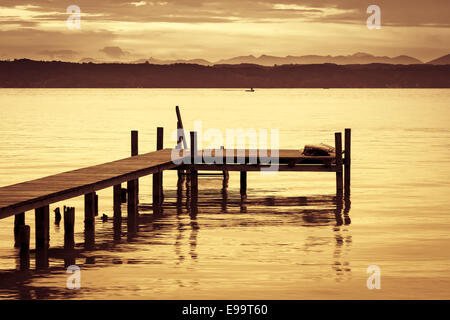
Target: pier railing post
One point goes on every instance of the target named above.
(339, 168)
(69, 223)
(135, 152)
(158, 195)
(19, 221)
(89, 220)
(347, 162)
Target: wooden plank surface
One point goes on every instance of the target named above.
(30, 194)
(283, 155)
(36, 193)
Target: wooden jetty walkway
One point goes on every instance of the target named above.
(38, 194)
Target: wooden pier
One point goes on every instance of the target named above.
(38, 194)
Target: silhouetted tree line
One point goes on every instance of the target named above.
(39, 74)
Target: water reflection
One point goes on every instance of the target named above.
(184, 218)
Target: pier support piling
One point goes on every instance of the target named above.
(89, 220)
(243, 183)
(347, 162)
(42, 222)
(194, 173)
(95, 204)
(42, 234)
(117, 205)
(339, 167)
(19, 221)
(24, 244)
(69, 223)
(57, 212)
(135, 152)
(158, 194)
(123, 195)
(225, 173)
(132, 211)
(117, 202)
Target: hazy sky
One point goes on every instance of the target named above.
(210, 29)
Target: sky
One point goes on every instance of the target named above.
(117, 30)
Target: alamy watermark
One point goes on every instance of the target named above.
(262, 146)
(74, 280)
(374, 20)
(74, 20)
(374, 280)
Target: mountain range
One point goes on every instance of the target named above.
(441, 61)
(266, 60)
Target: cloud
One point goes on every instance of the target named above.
(114, 52)
(398, 12)
(139, 4)
(33, 43)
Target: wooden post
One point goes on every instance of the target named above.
(134, 143)
(225, 173)
(19, 221)
(57, 212)
(158, 177)
(180, 126)
(123, 195)
(117, 202)
(42, 223)
(347, 161)
(194, 173)
(69, 223)
(96, 204)
(156, 194)
(243, 183)
(339, 168)
(42, 234)
(181, 141)
(89, 220)
(132, 207)
(24, 244)
(135, 152)
(160, 146)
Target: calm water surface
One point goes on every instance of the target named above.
(287, 241)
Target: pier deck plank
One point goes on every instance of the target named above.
(37, 193)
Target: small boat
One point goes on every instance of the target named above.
(251, 90)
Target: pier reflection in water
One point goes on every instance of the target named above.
(184, 216)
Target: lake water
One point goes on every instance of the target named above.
(285, 241)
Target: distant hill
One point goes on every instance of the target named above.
(357, 58)
(267, 60)
(40, 74)
(90, 60)
(201, 62)
(441, 61)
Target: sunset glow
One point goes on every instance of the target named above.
(216, 30)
